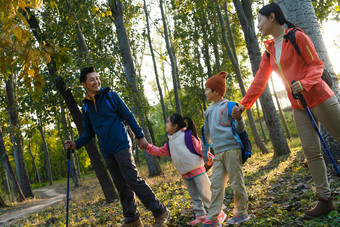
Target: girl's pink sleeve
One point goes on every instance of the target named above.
(158, 151)
(197, 145)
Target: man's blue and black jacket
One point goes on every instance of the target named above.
(99, 119)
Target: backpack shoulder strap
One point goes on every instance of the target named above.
(230, 105)
(230, 109)
(109, 101)
(188, 142)
(167, 145)
(291, 37)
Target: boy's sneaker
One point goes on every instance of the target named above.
(235, 220)
(197, 220)
(161, 219)
(222, 217)
(209, 223)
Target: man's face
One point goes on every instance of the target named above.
(92, 84)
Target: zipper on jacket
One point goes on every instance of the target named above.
(279, 66)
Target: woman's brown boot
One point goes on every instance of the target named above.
(324, 206)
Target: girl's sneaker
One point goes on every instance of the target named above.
(222, 217)
(235, 220)
(198, 219)
(209, 223)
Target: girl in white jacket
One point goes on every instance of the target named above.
(184, 147)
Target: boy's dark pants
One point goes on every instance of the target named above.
(122, 168)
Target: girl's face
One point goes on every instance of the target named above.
(169, 127)
(265, 24)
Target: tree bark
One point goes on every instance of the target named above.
(172, 57)
(5, 160)
(260, 121)
(277, 137)
(101, 172)
(46, 153)
(20, 165)
(2, 202)
(154, 64)
(302, 14)
(117, 12)
(33, 161)
(282, 116)
(73, 171)
(234, 61)
(205, 49)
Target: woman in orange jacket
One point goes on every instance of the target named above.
(306, 69)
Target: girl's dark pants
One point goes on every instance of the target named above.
(123, 170)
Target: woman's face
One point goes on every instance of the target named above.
(264, 24)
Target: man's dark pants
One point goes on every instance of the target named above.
(123, 170)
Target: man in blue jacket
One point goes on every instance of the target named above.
(107, 123)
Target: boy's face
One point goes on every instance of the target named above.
(92, 84)
(210, 94)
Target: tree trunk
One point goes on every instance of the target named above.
(33, 161)
(81, 40)
(205, 49)
(154, 64)
(18, 152)
(117, 12)
(302, 14)
(5, 160)
(234, 61)
(283, 119)
(7, 186)
(172, 57)
(73, 171)
(198, 56)
(101, 172)
(216, 49)
(2, 202)
(260, 121)
(277, 137)
(46, 153)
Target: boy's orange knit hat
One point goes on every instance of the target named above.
(217, 83)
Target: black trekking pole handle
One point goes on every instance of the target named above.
(299, 96)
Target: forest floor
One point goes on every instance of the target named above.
(279, 189)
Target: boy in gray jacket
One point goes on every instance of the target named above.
(228, 154)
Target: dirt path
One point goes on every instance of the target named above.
(49, 197)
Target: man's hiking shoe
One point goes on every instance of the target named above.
(324, 206)
(138, 223)
(235, 220)
(161, 219)
(221, 218)
(209, 223)
(197, 220)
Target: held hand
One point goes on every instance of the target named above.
(296, 87)
(70, 144)
(236, 113)
(142, 143)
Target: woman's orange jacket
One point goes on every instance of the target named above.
(306, 68)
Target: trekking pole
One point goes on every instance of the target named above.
(68, 183)
(304, 104)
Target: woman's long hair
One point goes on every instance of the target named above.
(279, 16)
(178, 119)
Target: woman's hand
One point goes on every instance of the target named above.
(296, 87)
